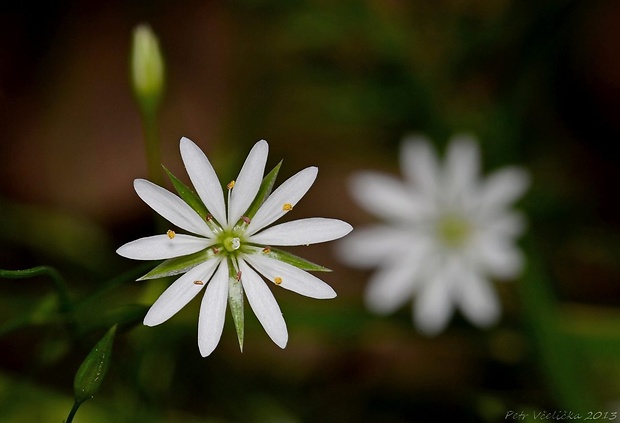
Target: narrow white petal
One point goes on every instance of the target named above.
(477, 299)
(248, 182)
(509, 224)
(171, 207)
(497, 255)
(387, 197)
(179, 293)
(395, 282)
(160, 247)
(503, 187)
(213, 311)
(367, 247)
(419, 164)
(290, 192)
(264, 305)
(433, 306)
(204, 179)
(291, 277)
(303, 232)
(461, 166)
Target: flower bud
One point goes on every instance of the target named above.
(94, 368)
(147, 68)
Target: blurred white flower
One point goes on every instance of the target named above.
(448, 232)
(230, 247)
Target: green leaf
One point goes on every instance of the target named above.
(178, 265)
(235, 301)
(294, 260)
(263, 192)
(189, 196)
(90, 375)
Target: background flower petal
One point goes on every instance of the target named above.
(387, 197)
(418, 164)
(433, 305)
(477, 300)
(369, 246)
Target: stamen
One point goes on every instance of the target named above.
(246, 219)
(171, 234)
(199, 283)
(287, 207)
(231, 184)
(277, 280)
(267, 250)
(209, 217)
(215, 250)
(238, 276)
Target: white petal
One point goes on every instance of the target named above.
(433, 306)
(213, 311)
(498, 256)
(181, 292)
(248, 182)
(387, 197)
(509, 225)
(160, 247)
(204, 179)
(291, 277)
(171, 207)
(503, 187)
(418, 163)
(290, 192)
(264, 305)
(395, 282)
(461, 166)
(303, 232)
(369, 246)
(477, 299)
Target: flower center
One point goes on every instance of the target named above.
(231, 243)
(453, 230)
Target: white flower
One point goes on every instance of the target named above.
(230, 246)
(448, 233)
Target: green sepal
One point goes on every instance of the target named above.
(187, 195)
(263, 192)
(292, 259)
(93, 369)
(178, 265)
(235, 302)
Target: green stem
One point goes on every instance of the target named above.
(74, 410)
(59, 282)
(152, 145)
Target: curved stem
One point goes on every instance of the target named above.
(74, 410)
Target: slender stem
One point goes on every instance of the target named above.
(152, 145)
(74, 410)
(57, 279)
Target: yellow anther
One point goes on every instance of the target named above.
(267, 250)
(277, 280)
(231, 184)
(199, 283)
(287, 207)
(171, 234)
